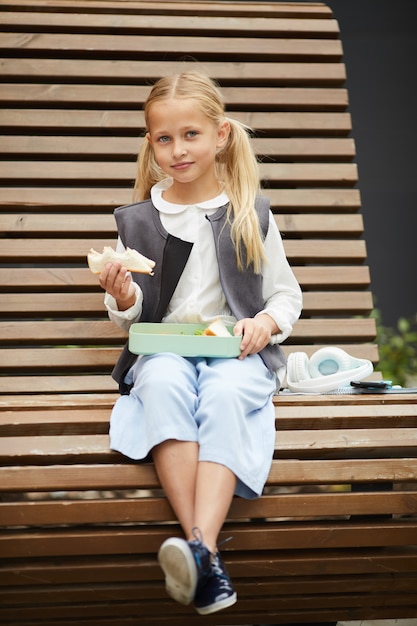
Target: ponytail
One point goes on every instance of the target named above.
(238, 169)
(148, 173)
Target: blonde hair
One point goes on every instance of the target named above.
(236, 164)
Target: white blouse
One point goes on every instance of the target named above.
(198, 297)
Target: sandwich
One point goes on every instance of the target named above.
(217, 329)
(131, 259)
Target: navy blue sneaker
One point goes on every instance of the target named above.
(186, 565)
(217, 592)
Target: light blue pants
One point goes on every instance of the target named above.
(223, 404)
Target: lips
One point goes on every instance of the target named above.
(181, 166)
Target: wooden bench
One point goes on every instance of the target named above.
(335, 535)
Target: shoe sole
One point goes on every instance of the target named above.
(178, 564)
(217, 606)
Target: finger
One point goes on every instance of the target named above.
(125, 286)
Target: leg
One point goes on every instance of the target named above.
(176, 465)
(214, 492)
(201, 500)
(199, 493)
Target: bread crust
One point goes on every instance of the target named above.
(131, 259)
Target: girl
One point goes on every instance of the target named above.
(208, 422)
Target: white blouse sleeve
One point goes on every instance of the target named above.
(124, 319)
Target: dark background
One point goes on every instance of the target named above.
(380, 52)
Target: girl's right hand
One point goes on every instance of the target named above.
(116, 280)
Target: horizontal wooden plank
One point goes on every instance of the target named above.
(302, 173)
(155, 613)
(312, 10)
(358, 348)
(75, 250)
(50, 278)
(66, 224)
(132, 122)
(47, 304)
(133, 96)
(66, 331)
(91, 304)
(77, 198)
(336, 329)
(131, 591)
(85, 383)
(94, 400)
(62, 362)
(341, 301)
(58, 359)
(140, 24)
(60, 279)
(375, 442)
(55, 420)
(90, 332)
(258, 564)
(68, 359)
(284, 472)
(164, 46)
(338, 276)
(344, 416)
(78, 147)
(101, 384)
(148, 509)
(271, 73)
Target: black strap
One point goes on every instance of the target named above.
(176, 253)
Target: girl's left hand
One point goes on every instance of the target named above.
(256, 331)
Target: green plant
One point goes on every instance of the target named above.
(397, 349)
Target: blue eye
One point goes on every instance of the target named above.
(192, 133)
(163, 139)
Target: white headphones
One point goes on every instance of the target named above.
(327, 369)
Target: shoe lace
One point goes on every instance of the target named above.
(218, 571)
(197, 534)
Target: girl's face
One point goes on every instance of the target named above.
(185, 142)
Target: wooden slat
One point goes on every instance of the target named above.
(40, 305)
(273, 73)
(92, 331)
(140, 24)
(58, 359)
(50, 278)
(102, 541)
(66, 279)
(133, 122)
(53, 420)
(167, 46)
(75, 250)
(199, 7)
(331, 563)
(65, 224)
(67, 332)
(132, 96)
(76, 198)
(70, 374)
(78, 477)
(131, 591)
(89, 383)
(302, 173)
(91, 304)
(111, 147)
(289, 444)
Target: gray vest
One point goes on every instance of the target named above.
(140, 227)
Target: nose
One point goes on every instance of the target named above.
(178, 149)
